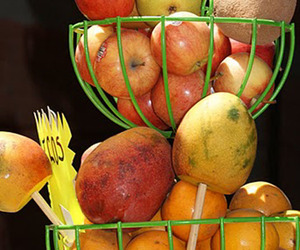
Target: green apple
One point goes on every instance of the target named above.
(166, 7)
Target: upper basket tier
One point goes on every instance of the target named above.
(284, 51)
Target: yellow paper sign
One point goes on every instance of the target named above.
(55, 135)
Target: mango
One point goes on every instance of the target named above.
(216, 143)
(24, 169)
(126, 177)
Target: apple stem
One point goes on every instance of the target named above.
(269, 102)
(172, 9)
(135, 64)
(201, 63)
(216, 76)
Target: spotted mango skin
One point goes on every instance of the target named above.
(24, 169)
(216, 143)
(126, 178)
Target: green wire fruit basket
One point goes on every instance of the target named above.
(119, 226)
(106, 104)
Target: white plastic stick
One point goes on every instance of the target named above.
(40, 201)
(192, 242)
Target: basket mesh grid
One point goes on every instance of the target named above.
(168, 224)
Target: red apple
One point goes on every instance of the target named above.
(187, 44)
(126, 108)
(222, 49)
(231, 72)
(95, 37)
(141, 68)
(145, 31)
(184, 91)
(266, 51)
(101, 9)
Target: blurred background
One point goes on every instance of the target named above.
(36, 72)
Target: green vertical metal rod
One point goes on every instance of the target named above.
(210, 56)
(126, 79)
(86, 88)
(55, 238)
(275, 72)
(210, 8)
(165, 71)
(222, 234)
(170, 235)
(297, 234)
(47, 238)
(251, 57)
(263, 233)
(286, 71)
(203, 7)
(120, 235)
(99, 89)
(77, 240)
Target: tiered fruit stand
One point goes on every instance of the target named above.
(107, 105)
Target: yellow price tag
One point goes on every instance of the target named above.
(55, 135)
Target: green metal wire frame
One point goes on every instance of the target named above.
(54, 230)
(108, 107)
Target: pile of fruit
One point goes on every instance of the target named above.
(156, 83)
(185, 74)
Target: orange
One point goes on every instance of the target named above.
(156, 217)
(204, 244)
(179, 205)
(286, 230)
(262, 196)
(154, 240)
(246, 235)
(100, 239)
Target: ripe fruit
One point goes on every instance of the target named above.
(262, 196)
(276, 10)
(95, 37)
(246, 235)
(230, 75)
(180, 205)
(166, 7)
(286, 230)
(101, 9)
(151, 240)
(215, 143)
(265, 52)
(184, 92)
(24, 169)
(187, 44)
(156, 217)
(204, 244)
(126, 108)
(100, 239)
(88, 151)
(141, 68)
(222, 49)
(134, 25)
(126, 178)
